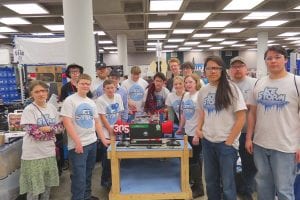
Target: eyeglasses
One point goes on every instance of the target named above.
(74, 72)
(278, 57)
(84, 84)
(40, 91)
(237, 66)
(209, 69)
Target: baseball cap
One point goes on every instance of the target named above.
(100, 65)
(237, 58)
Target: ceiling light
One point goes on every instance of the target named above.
(197, 50)
(232, 30)
(251, 39)
(110, 48)
(238, 45)
(41, 34)
(273, 44)
(167, 50)
(201, 35)
(4, 29)
(113, 52)
(273, 23)
(54, 27)
(260, 15)
(153, 43)
(298, 7)
(2, 36)
(270, 41)
(156, 36)
(105, 42)
(13, 20)
(295, 42)
(204, 46)
(160, 24)
(170, 46)
(217, 24)
(292, 38)
(289, 34)
(184, 48)
(195, 16)
(101, 50)
(253, 49)
(216, 47)
(228, 42)
(99, 32)
(182, 31)
(27, 8)
(191, 43)
(176, 40)
(246, 5)
(151, 49)
(161, 5)
(215, 39)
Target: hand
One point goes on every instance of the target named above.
(106, 142)
(45, 129)
(196, 140)
(179, 131)
(199, 133)
(132, 106)
(249, 146)
(298, 156)
(78, 148)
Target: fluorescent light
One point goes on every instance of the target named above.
(272, 44)
(54, 27)
(201, 35)
(176, 40)
(197, 50)
(153, 43)
(251, 39)
(5, 29)
(244, 5)
(289, 34)
(156, 36)
(99, 32)
(270, 41)
(228, 42)
(260, 15)
(215, 39)
(113, 52)
(195, 16)
(41, 34)
(295, 42)
(167, 50)
(2, 36)
(184, 48)
(238, 45)
(27, 8)
(13, 20)
(109, 48)
(216, 47)
(191, 43)
(292, 38)
(232, 30)
(160, 5)
(217, 23)
(105, 42)
(151, 49)
(101, 50)
(253, 49)
(170, 46)
(273, 23)
(182, 31)
(160, 24)
(204, 46)
(298, 7)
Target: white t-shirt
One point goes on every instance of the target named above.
(160, 96)
(33, 149)
(97, 87)
(277, 120)
(190, 112)
(136, 91)
(246, 87)
(174, 101)
(218, 124)
(83, 112)
(111, 108)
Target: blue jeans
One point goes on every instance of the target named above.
(81, 173)
(248, 168)
(276, 173)
(219, 169)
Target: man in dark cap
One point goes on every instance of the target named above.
(102, 71)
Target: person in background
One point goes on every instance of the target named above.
(81, 119)
(189, 120)
(102, 74)
(110, 106)
(38, 162)
(115, 77)
(238, 73)
(156, 94)
(135, 87)
(188, 69)
(174, 65)
(273, 125)
(222, 116)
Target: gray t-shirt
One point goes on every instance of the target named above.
(174, 101)
(190, 112)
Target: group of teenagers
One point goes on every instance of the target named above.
(231, 115)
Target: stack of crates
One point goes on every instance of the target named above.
(8, 87)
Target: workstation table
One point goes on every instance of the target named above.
(150, 173)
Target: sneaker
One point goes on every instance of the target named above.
(247, 197)
(94, 198)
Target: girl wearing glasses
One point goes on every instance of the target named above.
(222, 116)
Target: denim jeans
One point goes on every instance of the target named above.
(106, 171)
(276, 173)
(248, 168)
(219, 169)
(81, 173)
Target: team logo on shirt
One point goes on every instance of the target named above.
(84, 116)
(112, 113)
(136, 92)
(269, 98)
(159, 101)
(175, 106)
(41, 120)
(209, 103)
(189, 109)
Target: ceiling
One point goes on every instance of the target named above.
(132, 18)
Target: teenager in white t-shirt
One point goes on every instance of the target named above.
(274, 126)
(222, 116)
(110, 106)
(38, 162)
(81, 119)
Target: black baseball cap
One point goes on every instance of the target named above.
(115, 73)
(100, 65)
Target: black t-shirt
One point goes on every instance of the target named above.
(69, 89)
